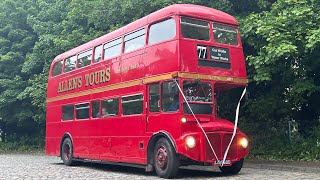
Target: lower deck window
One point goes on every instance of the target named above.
(154, 98)
(132, 104)
(68, 112)
(170, 97)
(95, 108)
(110, 107)
(82, 111)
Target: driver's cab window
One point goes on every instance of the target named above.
(170, 97)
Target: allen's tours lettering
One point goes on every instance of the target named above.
(97, 77)
(91, 79)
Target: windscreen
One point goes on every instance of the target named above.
(199, 96)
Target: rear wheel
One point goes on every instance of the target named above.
(165, 159)
(67, 152)
(233, 169)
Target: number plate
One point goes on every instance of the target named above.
(219, 162)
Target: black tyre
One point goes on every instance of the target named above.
(67, 152)
(166, 160)
(233, 169)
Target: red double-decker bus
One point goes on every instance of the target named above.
(145, 94)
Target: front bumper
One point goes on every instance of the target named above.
(202, 151)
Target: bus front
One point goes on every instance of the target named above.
(211, 63)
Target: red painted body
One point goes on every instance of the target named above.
(125, 138)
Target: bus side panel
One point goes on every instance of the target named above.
(52, 130)
(132, 65)
(117, 137)
(52, 146)
(161, 58)
(124, 149)
(81, 138)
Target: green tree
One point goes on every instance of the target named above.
(62, 25)
(16, 39)
(281, 47)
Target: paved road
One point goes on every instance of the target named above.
(47, 167)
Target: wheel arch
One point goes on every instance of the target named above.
(65, 136)
(152, 142)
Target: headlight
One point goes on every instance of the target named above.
(183, 120)
(244, 142)
(191, 142)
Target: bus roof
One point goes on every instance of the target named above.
(176, 9)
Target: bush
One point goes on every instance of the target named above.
(23, 144)
(280, 148)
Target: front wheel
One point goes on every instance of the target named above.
(67, 152)
(165, 159)
(233, 169)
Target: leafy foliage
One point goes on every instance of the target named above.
(17, 38)
(281, 46)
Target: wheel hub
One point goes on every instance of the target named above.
(162, 157)
(67, 152)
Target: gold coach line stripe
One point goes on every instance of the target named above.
(97, 90)
(157, 78)
(148, 80)
(209, 77)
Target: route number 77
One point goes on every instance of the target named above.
(202, 52)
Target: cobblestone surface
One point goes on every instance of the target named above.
(48, 167)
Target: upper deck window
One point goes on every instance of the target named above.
(134, 40)
(225, 34)
(97, 54)
(112, 49)
(195, 29)
(162, 31)
(84, 59)
(70, 64)
(57, 68)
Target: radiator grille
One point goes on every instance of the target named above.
(220, 142)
